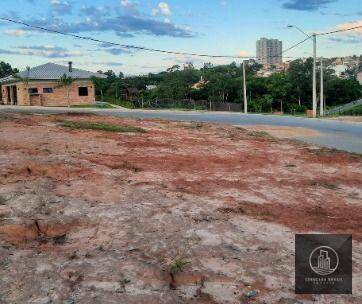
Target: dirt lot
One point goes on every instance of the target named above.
(180, 213)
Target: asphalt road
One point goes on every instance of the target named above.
(334, 134)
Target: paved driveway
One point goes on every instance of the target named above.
(334, 134)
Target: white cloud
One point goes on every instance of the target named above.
(61, 7)
(128, 4)
(164, 10)
(48, 51)
(16, 32)
(348, 25)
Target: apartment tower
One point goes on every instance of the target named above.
(269, 51)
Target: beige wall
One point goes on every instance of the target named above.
(57, 98)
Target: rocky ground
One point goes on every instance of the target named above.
(180, 213)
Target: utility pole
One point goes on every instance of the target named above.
(322, 90)
(244, 87)
(314, 75)
(314, 38)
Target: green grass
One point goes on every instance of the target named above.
(88, 125)
(95, 106)
(357, 110)
(178, 265)
(116, 101)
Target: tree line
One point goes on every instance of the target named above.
(289, 90)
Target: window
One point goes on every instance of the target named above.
(83, 91)
(47, 90)
(33, 90)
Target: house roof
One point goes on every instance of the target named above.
(52, 71)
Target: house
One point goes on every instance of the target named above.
(340, 70)
(151, 87)
(40, 86)
(200, 84)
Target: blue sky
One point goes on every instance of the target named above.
(228, 27)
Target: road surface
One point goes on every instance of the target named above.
(334, 134)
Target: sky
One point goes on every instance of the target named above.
(218, 27)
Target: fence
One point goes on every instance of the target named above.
(188, 104)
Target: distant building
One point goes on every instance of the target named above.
(151, 87)
(359, 76)
(199, 85)
(269, 51)
(340, 70)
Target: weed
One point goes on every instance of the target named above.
(122, 284)
(290, 166)
(88, 125)
(264, 214)
(100, 248)
(96, 106)
(60, 240)
(258, 134)
(47, 150)
(194, 126)
(178, 265)
(4, 263)
(3, 200)
(194, 238)
(326, 185)
(128, 166)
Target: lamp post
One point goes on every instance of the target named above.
(244, 88)
(322, 91)
(314, 37)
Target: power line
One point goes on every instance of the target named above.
(128, 46)
(295, 45)
(340, 31)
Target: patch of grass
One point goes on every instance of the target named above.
(128, 166)
(262, 134)
(122, 103)
(355, 111)
(322, 184)
(264, 214)
(290, 166)
(178, 265)
(88, 125)
(104, 105)
(194, 126)
(4, 263)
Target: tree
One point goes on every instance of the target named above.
(110, 75)
(6, 69)
(100, 85)
(339, 91)
(66, 81)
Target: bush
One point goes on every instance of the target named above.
(357, 111)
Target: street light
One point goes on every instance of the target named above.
(322, 91)
(314, 37)
(244, 89)
(296, 27)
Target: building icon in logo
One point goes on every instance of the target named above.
(324, 260)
